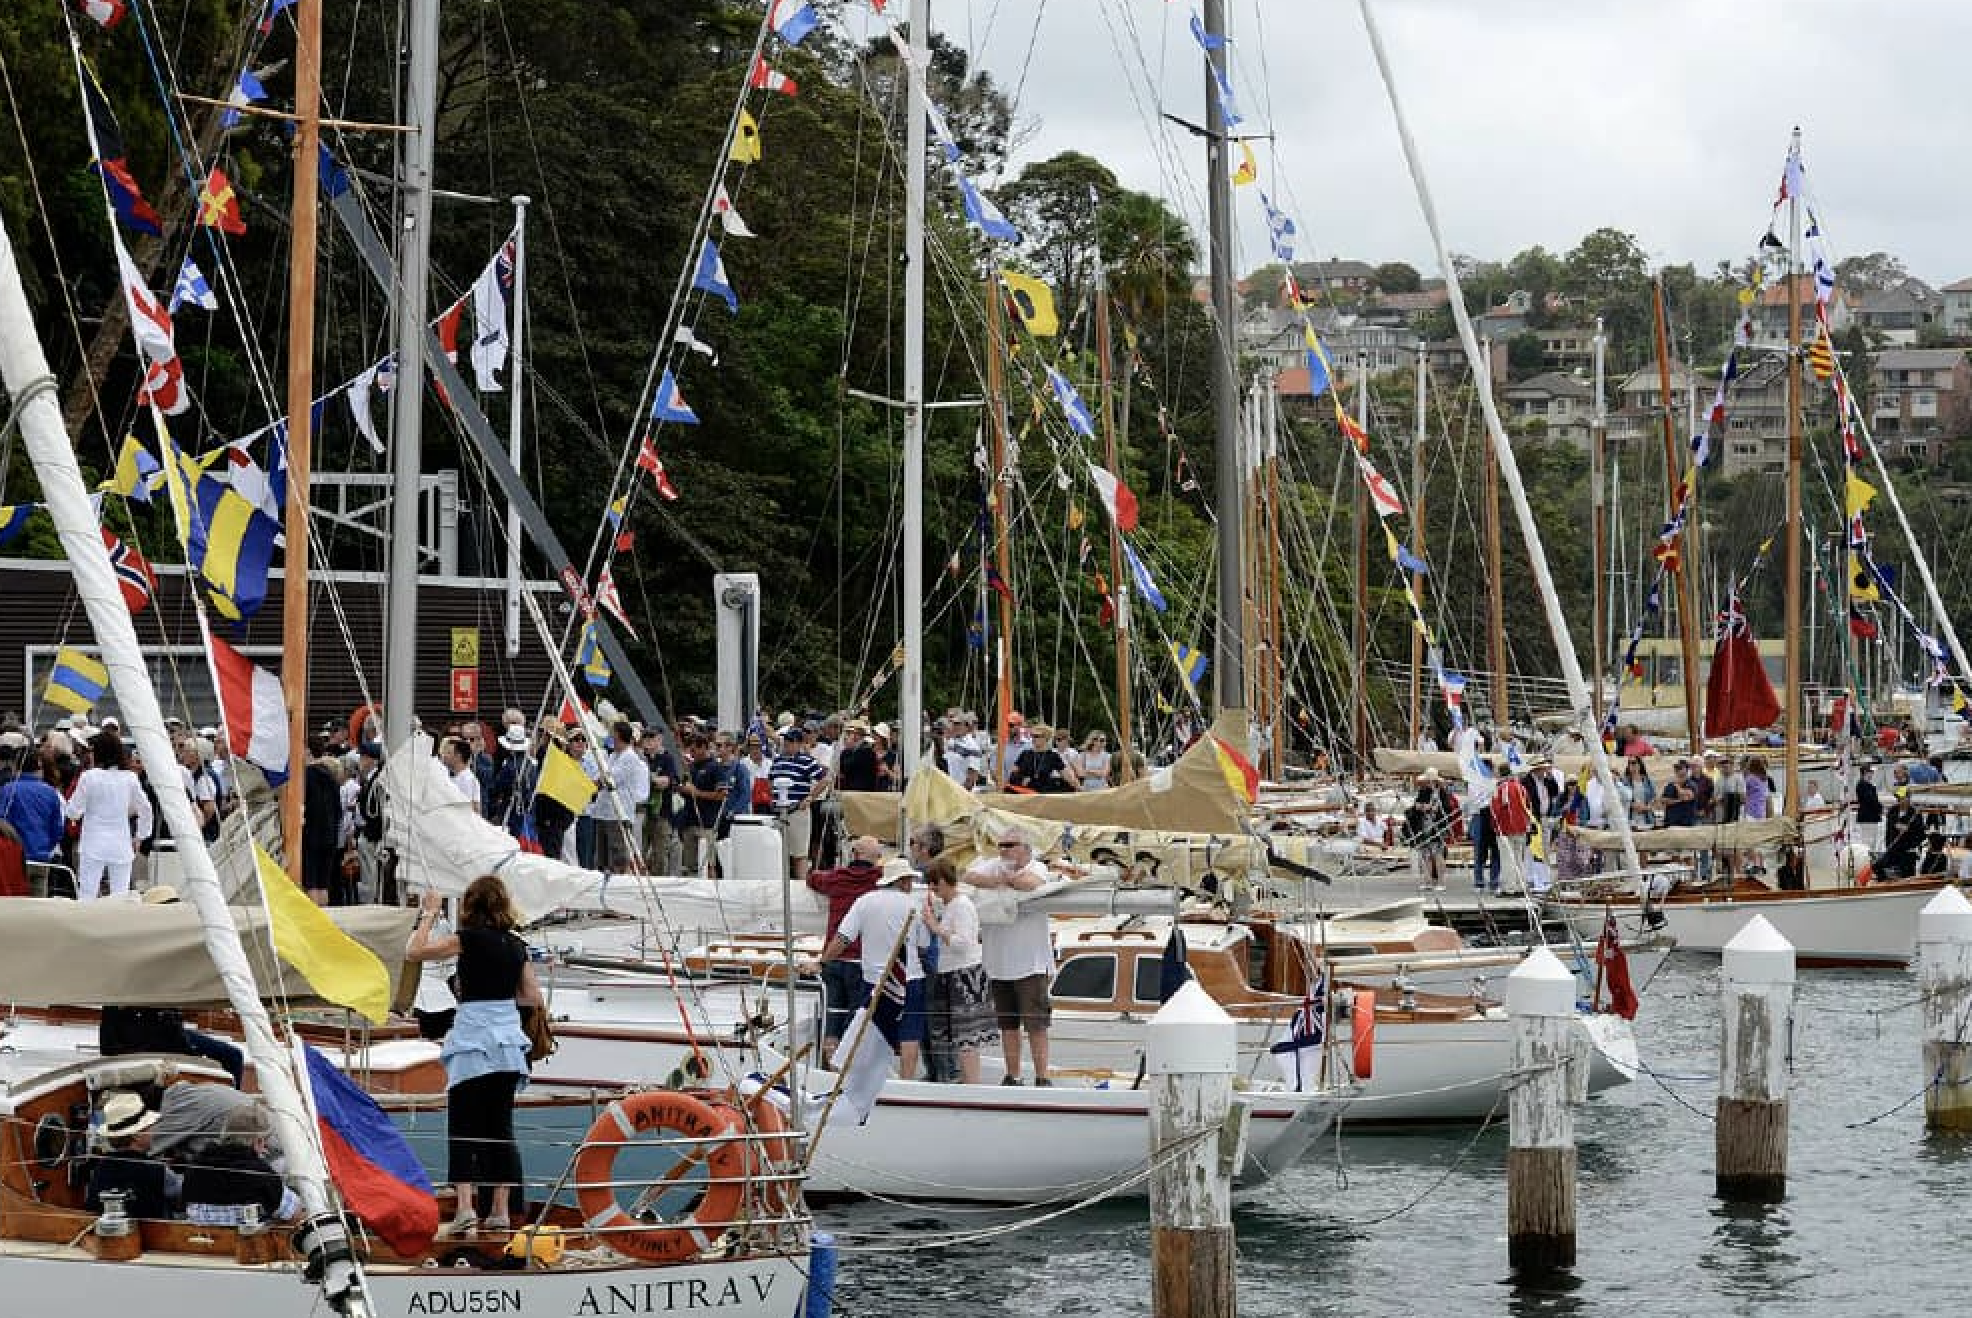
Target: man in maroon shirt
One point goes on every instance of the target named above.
(842, 977)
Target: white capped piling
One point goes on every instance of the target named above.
(1548, 1062)
(1196, 1144)
(1944, 981)
(1756, 1022)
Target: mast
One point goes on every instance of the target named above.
(1599, 516)
(1359, 621)
(1791, 625)
(515, 381)
(303, 219)
(1229, 641)
(1125, 768)
(910, 681)
(1681, 568)
(1276, 579)
(1557, 621)
(1495, 593)
(1002, 489)
(31, 388)
(407, 400)
(1417, 530)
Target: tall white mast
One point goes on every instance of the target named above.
(910, 734)
(407, 404)
(1564, 646)
(24, 371)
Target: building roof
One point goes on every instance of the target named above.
(1317, 271)
(1962, 286)
(1554, 384)
(1428, 300)
(1919, 359)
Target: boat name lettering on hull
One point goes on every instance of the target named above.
(685, 1295)
(435, 1301)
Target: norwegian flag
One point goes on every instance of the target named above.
(764, 75)
(133, 574)
(611, 601)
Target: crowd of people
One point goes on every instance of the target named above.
(1518, 799)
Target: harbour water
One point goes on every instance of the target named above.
(1372, 1225)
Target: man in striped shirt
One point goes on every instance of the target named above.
(798, 781)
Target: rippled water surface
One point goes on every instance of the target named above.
(1370, 1225)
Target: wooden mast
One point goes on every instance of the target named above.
(1791, 625)
(1359, 631)
(1118, 592)
(301, 403)
(1001, 485)
(1417, 531)
(1681, 566)
(1599, 517)
(1495, 592)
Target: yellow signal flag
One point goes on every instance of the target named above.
(562, 780)
(746, 141)
(1857, 495)
(1862, 581)
(339, 969)
(1033, 302)
(1075, 517)
(1248, 169)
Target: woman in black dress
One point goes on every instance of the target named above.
(486, 1052)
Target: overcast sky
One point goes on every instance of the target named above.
(1538, 120)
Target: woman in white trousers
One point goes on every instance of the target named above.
(109, 800)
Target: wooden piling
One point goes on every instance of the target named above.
(1540, 1160)
(1944, 981)
(1756, 1019)
(1196, 1145)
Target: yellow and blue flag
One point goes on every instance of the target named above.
(591, 659)
(1191, 667)
(228, 539)
(13, 520)
(137, 474)
(77, 682)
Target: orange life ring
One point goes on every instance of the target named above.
(1362, 1029)
(362, 715)
(773, 1152)
(663, 1111)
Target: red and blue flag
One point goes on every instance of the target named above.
(373, 1168)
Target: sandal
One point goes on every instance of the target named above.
(496, 1224)
(465, 1224)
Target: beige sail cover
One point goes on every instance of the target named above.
(58, 952)
(1190, 795)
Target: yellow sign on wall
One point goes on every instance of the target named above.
(465, 647)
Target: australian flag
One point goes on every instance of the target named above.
(1299, 1054)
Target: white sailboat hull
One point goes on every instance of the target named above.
(1838, 927)
(1002, 1144)
(1421, 1072)
(44, 1281)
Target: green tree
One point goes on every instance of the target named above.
(1398, 277)
(1605, 263)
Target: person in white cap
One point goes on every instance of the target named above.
(880, 918)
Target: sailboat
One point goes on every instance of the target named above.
(57, 1257)
(1839, 918)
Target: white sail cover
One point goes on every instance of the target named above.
(443, 843)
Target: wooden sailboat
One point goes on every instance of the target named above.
(1836, 921)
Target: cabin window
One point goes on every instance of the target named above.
(1150, 978)
(1088, 977)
